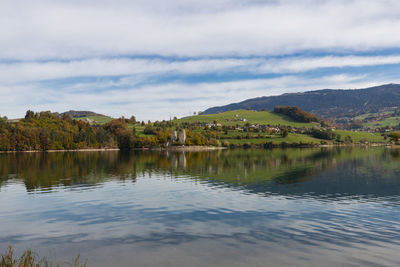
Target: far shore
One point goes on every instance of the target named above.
(64, 150)
(172, 148)
(204, 148)
(185, 148)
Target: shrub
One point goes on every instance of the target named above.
(149, 130)
(348, 140)
(31, 259)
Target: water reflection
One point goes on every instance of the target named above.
(307, 207)
(340, 171)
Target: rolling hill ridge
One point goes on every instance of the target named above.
(327, 103)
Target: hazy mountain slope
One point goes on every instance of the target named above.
(326, 103)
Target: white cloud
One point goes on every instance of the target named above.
(65, 29)
(144, 69)
(164, 100)
(301, 64)
(54, 39)
(36, 71)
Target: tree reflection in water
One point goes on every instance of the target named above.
(322, 172)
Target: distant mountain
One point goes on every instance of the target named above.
(80, 114)
(327, 103)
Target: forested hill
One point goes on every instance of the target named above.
(326, 103)
(78, 114)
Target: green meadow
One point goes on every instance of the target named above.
(235, 117)
(100, 120)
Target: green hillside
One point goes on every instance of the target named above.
(88, 116)
(371, 115)
(390, 122)
(235, 117)
(97, 119)
(376, 120)
(244, 128)
(362, 136)
(241, 136)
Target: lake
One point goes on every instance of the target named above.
(294, 207)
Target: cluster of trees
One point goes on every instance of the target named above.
(155, 135)
(323, 134)
(199, 139)
(46, 131)
(395, 136)
(296, 113)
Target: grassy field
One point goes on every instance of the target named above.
(253, 117)
(359, 136)
(138, 128)
(391, 121)
(364, 116)
(98, 119)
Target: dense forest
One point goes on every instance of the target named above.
(46, 131)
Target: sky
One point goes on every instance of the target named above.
(156, 59)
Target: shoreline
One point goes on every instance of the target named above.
(63, 150)
(175, 148)
(204, 148)
(185, 148)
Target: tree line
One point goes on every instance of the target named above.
(51, 131)
(47, 131)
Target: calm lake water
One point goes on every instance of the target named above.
(295, 207)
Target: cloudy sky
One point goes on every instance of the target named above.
(162, 58)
